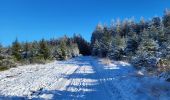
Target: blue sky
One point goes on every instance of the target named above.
(35, 19)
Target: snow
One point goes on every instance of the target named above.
(81, 78)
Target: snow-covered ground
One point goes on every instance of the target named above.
(81, 78)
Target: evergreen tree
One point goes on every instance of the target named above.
(58, 53)
(105, 42)
(118, 27)
(133, 25)
(142, 24)
(34, 49)
(74, 50)
(97, 34)
(125, 28)
(156, 22)
(153, 32)
(16, 50)
(117, 46)
(166, 18)
(63, 47)
(26, 50)
(132, 43)
(44, 50)
(147, 43)
(96, 48)
(83, 45)
(112, 25)
(147, 52)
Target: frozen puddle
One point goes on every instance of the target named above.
(80, 78)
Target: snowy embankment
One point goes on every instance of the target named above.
(81, 78)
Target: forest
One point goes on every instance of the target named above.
(144, 44)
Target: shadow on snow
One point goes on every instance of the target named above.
(99, 80)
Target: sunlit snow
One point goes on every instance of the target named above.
(81, 78)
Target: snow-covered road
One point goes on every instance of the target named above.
(80, 78)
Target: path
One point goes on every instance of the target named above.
(82, 78)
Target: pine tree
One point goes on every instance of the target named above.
(6, 61)
(133, 25)
(132, 43)
(74, 50)
(125, 28)
(156, 22)
(34, 49)
(63, 48)
(112, 25)
(105, 42)
(58, 53)
(148, 44)
(97, 34)
(44, 50)
(147, 52)
(142, 24)
(16, 50)
(96, 48)
(83, 45)
(117, 46)
(118, 27)
(153, 32)
(26, 50)
(166, 18)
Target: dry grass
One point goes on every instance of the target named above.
(106, 61)
(3, 68)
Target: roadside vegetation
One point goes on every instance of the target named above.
(145, 44)
(42, 51)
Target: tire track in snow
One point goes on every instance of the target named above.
(79, 78)
(60, 84)
(75, 82)
(107, 93)
(79, 85)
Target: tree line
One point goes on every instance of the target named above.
(43, 51)
(145, 44)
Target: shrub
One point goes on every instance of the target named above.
(6, 62)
